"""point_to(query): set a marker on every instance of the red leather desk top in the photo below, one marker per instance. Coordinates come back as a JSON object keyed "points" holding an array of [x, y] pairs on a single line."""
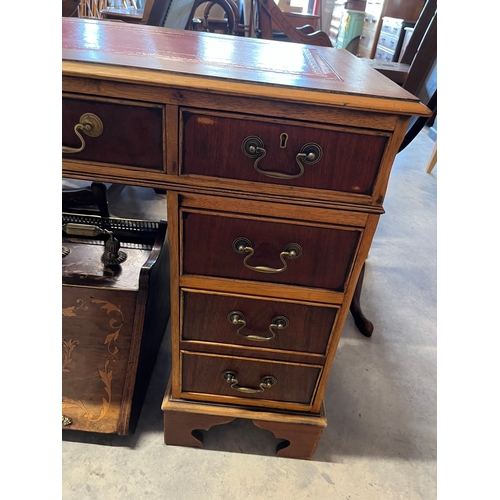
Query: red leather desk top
{"points": [[231, 58]]}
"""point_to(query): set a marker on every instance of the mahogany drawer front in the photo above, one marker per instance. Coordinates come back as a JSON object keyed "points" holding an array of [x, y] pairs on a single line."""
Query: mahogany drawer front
{"points": [[203, 374], [209, 249], [132, 134], [213, 145], [230, 319]]}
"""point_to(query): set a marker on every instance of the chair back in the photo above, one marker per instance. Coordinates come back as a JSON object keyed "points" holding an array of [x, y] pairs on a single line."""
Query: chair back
{"points": [[421, 79], [155, 11], [230, 10], [423, 64], [269, 13], [423, 22], [175, 14]]}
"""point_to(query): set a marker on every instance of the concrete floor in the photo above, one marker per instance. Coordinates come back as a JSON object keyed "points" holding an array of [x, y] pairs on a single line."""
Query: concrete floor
{"points": [[380, 442]]}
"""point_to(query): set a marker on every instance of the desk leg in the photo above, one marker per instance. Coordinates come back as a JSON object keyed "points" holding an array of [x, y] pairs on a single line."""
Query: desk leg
{"points": [[363, 324]]}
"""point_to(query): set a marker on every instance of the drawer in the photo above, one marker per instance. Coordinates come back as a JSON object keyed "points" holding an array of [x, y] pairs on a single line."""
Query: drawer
{"points": [[388, 41], [246, 148], [244, 321], [370, 20], [224, 246], [391, 26], [363, 52], [132, 133], [291, 382], [384, 55], [366, 40]]}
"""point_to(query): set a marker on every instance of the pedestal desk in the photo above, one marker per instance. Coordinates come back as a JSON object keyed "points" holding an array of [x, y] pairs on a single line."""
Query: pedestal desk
{"points": [[275, 157]]}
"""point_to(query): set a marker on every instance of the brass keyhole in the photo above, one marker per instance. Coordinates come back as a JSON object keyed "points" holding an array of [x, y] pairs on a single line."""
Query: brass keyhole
{"points": [[283, 140]]}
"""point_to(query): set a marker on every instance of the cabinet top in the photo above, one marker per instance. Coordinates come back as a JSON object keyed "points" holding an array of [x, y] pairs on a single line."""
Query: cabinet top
{"points": [[229, 65]]}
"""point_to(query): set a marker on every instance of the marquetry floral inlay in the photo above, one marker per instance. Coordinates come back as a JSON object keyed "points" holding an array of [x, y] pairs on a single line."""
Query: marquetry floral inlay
{"points": [[106, 374], [67, 349]]}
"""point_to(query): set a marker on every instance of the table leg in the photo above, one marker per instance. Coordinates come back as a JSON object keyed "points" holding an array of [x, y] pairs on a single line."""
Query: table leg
{"points": [[432, 159], [364, 325]]}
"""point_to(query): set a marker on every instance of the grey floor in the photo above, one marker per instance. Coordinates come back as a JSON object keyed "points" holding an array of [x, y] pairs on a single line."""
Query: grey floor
{"points": [[380, 442]]}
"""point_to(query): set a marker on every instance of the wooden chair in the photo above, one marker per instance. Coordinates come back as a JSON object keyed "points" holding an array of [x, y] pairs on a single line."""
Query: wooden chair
{"points": [[432, 160], [168, 13], [419, 56], [91, 8], [175, 14], [417, 73], [229, 24], [179, 14], [269, 13]]}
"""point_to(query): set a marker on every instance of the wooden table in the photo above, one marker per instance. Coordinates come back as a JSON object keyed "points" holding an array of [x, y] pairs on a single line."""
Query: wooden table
{"points": [[129, 15], [275, 158]]}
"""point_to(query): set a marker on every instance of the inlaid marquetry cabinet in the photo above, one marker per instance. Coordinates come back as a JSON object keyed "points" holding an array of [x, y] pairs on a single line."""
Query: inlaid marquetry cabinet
{"points": [[113, 319], [275, 157]]}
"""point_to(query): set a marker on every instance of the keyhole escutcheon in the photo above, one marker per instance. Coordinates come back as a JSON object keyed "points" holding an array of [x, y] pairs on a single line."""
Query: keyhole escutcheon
{"points": [[283, 140]]}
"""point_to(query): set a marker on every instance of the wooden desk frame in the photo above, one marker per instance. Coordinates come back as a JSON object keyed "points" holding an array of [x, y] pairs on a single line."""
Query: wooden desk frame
{"points": [[350, 102]]}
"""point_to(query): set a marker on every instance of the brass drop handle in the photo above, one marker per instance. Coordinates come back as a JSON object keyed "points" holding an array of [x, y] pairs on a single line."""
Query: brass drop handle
{"points": [[290, 251], [90, 125], [309, 154], [231, 378], [238, 318]]}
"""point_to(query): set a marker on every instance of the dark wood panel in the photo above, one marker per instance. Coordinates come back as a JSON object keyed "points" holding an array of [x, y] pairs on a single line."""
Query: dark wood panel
{"points": [[409, 10], [97, 329], [132, 135], [203, 374], [212, 146], [325, 261], [156, 316], [205, 318]]}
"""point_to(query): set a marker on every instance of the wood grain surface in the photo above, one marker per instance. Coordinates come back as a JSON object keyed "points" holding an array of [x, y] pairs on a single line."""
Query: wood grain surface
{"points": [[222, 62]]}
